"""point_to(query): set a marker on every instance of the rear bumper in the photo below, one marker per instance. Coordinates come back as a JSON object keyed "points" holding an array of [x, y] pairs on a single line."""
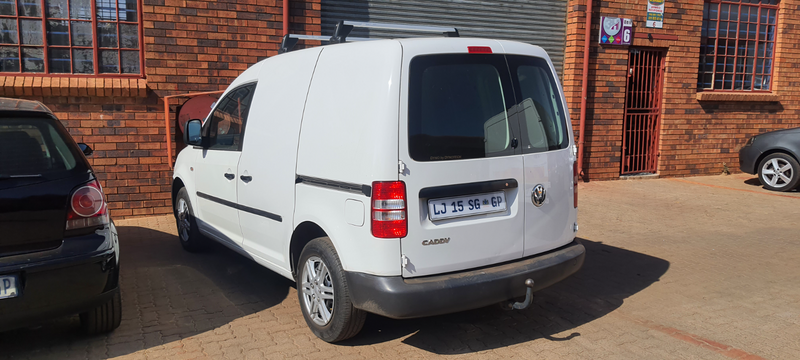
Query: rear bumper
{"points": [[400, 298], [85, 275]]}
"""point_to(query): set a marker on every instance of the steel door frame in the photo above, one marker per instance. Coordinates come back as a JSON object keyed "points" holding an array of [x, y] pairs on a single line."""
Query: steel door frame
{"points": [[641, 135]]}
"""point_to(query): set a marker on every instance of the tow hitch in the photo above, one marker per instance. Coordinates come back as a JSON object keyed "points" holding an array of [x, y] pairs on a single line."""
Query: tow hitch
{"points": [[528, 297]]}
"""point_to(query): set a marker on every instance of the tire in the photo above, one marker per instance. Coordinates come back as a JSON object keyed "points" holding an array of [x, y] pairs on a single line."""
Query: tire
{"points": [[188, 232], [779, 172], [343, 321], [103, 318]]}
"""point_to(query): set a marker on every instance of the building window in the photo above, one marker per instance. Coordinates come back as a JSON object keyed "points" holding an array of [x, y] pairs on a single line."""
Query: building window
{"points": [[71, 37], [738, 45]]}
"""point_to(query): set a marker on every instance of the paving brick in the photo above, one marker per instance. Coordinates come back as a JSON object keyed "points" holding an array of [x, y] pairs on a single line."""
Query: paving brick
{"points": [[669, 273]]}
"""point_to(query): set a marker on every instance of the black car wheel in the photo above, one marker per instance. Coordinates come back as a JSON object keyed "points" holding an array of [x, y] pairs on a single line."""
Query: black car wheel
{"points": [[323, 293], [779, 172], [191, 238], [103, 318]]}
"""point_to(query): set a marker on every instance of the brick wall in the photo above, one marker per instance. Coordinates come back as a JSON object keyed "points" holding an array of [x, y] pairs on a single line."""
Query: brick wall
{"points": [[697, 135], [190, 46]]}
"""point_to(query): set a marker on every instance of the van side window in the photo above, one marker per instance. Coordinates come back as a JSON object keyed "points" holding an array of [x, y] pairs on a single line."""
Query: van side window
{"points": [[543, 122], [227, 122]]}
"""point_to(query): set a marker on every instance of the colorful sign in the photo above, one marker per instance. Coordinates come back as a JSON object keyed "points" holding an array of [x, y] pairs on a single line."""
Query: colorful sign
{"points": [[655, 13], [616, 31]]}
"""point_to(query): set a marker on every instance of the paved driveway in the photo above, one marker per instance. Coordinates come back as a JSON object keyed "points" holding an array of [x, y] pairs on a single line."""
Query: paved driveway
{"points": [[678, 268]]}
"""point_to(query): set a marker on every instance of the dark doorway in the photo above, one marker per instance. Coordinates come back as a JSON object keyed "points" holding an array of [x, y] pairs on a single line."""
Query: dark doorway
{"points": [[642, 112]]}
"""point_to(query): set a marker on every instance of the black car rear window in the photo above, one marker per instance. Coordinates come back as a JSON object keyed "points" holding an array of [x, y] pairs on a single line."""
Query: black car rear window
{"points": [[33, 147], [465, 106]]}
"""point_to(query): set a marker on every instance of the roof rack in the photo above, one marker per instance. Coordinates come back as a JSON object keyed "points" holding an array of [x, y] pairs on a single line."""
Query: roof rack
{"points": [[343, 29]]}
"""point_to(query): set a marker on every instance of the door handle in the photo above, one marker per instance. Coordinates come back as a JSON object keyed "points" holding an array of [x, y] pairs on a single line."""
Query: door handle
{"points": [[246, 178], [229, 176]]}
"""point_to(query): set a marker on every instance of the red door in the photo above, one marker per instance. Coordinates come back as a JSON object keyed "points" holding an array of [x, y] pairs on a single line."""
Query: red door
{"points": [[642, 112]]}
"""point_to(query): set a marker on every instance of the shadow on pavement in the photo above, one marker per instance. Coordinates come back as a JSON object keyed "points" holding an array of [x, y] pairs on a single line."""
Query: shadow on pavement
{"points": [[608, 277], [167, 295], [755, 182]]}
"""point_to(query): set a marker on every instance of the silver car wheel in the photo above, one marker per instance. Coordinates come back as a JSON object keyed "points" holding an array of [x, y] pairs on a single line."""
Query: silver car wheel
{"points": [[317, 291], [184, 227], [777, 173]]}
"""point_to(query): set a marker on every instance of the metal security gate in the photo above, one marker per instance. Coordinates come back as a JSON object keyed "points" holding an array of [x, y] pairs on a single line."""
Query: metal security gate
{"points": [[642, 112], [537, 22]]}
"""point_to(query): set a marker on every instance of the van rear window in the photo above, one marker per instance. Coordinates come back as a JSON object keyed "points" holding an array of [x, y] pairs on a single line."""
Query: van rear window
{"points": [[465, 106], [457, 107]]}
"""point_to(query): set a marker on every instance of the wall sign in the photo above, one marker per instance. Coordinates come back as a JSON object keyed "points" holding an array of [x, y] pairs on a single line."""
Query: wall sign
{"points": [[616, 31], [655, 14]]}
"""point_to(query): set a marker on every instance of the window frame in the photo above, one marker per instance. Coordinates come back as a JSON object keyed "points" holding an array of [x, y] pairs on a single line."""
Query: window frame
{"points": [[207, 124], [736, 56], [417, 67], [507, 67], [515, 62], [96, 48]]}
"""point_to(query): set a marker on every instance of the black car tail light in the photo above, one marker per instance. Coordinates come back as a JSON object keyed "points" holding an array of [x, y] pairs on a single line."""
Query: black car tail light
{"points": [[87, 207]]}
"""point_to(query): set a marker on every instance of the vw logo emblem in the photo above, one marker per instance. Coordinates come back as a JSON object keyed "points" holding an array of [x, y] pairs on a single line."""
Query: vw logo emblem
{"points": [[538, 195]]}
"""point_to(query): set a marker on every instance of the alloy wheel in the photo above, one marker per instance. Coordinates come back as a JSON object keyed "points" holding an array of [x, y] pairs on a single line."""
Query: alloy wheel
{"points": [[317, 289], [777, 172], [184, 226]]}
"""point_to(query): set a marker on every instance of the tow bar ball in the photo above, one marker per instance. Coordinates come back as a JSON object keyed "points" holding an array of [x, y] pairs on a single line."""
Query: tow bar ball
{"points": [[528, 297]]}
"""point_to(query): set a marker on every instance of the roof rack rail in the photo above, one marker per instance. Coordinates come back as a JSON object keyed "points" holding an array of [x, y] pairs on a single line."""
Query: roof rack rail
{"points": [[343, 29]]}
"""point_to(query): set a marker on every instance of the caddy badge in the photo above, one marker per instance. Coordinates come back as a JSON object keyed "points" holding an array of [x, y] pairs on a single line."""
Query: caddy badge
{"points": [[436, 241]]}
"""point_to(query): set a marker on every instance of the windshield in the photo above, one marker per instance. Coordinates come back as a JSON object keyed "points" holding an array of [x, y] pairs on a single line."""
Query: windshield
{"points": [[33, 147]]}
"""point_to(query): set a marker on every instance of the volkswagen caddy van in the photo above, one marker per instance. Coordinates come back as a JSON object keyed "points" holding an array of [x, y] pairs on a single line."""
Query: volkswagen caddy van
{"points": [[404, 178]]}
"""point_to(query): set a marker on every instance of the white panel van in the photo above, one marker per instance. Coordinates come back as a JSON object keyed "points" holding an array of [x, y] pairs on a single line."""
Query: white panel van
{"points": [[404, 178]]}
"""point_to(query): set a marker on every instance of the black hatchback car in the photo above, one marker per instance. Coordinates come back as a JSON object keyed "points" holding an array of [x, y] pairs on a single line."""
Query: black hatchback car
{"points": [[774, 157], [59, 251]]}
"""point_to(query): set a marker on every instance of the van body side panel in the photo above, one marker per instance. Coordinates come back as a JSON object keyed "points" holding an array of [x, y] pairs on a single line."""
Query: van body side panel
{"points": [[268, 158], [184, 170], [349, 131], [349, 135], [357, 249]]}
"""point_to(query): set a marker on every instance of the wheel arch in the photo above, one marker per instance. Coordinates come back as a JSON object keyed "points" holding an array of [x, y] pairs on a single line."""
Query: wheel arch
{"points": [[177, 184], [770, 152], [302, 235]]}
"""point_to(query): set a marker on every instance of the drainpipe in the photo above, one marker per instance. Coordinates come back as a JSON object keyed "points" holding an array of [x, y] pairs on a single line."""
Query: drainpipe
{"points": [[584, 84], [285, 17]]}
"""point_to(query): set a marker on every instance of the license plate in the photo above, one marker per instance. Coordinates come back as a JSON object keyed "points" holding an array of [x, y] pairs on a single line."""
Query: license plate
{"points": [[8, 287], [446, 208]]}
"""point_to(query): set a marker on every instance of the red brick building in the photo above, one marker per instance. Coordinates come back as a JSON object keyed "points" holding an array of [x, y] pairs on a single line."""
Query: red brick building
{"points": [[725, 70], [105, 66]]}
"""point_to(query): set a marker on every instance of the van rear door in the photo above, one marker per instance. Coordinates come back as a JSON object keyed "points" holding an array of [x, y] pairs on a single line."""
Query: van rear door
{"points": [[460, 163], [545, 141]]}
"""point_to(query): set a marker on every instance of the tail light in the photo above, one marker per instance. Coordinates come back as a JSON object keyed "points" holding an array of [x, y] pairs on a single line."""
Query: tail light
{"points": [[87, 207], [389, 209], [575, 183]]}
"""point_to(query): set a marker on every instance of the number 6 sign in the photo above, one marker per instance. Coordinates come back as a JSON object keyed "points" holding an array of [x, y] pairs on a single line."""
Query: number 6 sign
{"points": [[616, 31]]}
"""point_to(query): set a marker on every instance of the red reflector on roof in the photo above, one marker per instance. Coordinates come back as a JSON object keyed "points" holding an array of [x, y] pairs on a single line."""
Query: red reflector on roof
{"points": [[479, 49]]}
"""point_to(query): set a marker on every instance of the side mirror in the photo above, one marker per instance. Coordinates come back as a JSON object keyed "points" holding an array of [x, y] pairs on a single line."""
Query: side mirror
{"points": [[192, 134], [87, 150]]}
